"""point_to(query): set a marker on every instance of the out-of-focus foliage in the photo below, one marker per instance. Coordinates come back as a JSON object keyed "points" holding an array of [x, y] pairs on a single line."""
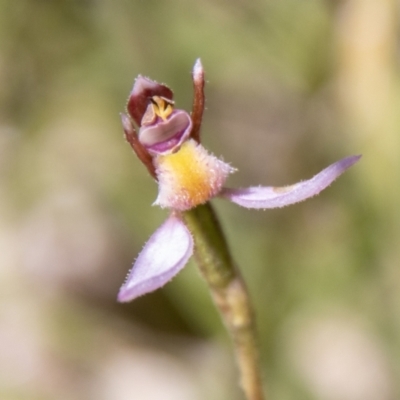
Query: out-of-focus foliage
{"points": [[291, 87]]}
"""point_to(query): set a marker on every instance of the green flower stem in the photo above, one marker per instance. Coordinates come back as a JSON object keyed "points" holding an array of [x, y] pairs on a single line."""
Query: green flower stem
{"points": [[229, 293]]}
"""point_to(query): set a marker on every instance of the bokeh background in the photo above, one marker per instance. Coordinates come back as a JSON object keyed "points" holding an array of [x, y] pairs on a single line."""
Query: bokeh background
{"points": [[292, 86]]}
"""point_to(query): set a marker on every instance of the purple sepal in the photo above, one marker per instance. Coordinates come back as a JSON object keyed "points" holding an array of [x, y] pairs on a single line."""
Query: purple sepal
{"points": [[275, 197], [143, 90], [163, 256]]}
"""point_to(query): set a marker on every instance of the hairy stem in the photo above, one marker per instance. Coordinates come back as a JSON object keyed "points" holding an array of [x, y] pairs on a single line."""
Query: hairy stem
{"points": [[229, 293]]}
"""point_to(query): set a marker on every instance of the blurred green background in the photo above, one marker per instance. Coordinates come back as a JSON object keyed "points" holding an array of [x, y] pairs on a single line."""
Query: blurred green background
{"points": [[292, 86]]}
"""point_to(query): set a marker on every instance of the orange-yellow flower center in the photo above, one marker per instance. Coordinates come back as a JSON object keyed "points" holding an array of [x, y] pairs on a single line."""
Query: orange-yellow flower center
{"points": [[162, 107], [158, 107], [189, 177]]}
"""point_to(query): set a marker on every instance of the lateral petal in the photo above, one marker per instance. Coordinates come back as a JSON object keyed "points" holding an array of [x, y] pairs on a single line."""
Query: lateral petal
{"points": [[163, 256], [275, 197]]}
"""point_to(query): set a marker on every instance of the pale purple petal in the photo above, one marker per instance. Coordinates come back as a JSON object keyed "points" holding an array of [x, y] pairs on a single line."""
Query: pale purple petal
{"points": [[274, 197], [164, 137], [163, 256]]}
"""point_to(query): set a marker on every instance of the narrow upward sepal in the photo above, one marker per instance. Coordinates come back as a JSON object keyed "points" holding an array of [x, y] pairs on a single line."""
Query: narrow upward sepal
{"points": [[163, 256], [275, 197], [198, 99]]}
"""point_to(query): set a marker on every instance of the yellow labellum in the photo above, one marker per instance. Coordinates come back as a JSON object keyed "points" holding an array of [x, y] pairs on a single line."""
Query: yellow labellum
{"points": [[189, 177]]}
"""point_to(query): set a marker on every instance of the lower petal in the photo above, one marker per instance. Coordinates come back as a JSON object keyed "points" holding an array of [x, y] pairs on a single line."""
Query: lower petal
{"points": [[275, 197], [163, 256]]}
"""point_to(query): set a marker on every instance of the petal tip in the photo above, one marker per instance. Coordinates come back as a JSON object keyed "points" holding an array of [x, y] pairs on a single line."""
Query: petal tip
{"points": [[349, 161], [123, 296], [126, 295], [198, 70]]}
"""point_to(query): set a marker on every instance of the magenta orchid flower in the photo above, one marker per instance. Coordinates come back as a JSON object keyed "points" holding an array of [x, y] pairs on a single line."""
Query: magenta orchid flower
{"points": [[167, 141]]}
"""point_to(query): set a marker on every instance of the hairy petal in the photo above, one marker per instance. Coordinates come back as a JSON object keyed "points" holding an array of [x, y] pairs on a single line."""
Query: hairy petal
{"points": [[163, 256], [189, 177], [274, 197]]}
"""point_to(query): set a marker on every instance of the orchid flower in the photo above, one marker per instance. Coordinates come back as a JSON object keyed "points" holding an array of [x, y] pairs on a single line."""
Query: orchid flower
{"points": [[167, 141]]}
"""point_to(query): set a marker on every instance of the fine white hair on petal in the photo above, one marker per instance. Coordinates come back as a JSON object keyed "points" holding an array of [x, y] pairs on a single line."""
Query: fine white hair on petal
{"points": [[275, 197], [163, 256], [189, 177]]}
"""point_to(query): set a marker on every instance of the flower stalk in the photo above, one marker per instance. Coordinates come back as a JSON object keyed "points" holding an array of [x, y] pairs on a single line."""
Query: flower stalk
{"points": [[229, 293]]}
